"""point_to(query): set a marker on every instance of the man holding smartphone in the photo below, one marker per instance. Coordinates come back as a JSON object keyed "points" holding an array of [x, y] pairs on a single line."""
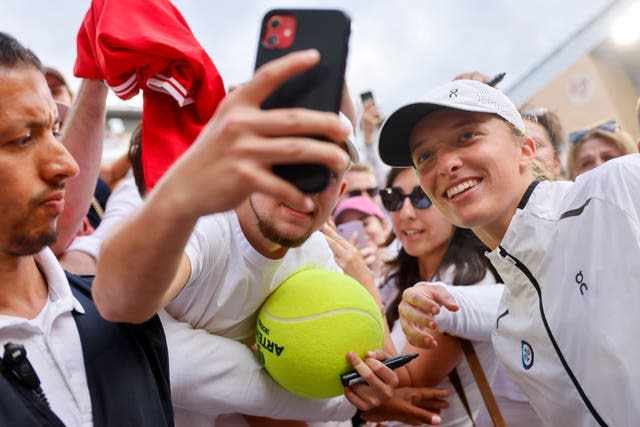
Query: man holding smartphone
{"points": [[212, 268]]}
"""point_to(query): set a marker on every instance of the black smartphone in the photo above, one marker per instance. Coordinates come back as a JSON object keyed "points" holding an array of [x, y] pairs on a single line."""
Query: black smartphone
{"points": [[366, 96], [287, 30]]}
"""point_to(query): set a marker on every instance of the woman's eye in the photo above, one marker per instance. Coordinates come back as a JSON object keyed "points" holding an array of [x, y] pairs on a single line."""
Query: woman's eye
{"points": [[467, 136], [423, 157], [585, 164]]}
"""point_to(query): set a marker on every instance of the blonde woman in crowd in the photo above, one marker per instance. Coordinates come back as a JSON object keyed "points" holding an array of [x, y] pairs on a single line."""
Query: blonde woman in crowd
{"points": [[589, 148]]}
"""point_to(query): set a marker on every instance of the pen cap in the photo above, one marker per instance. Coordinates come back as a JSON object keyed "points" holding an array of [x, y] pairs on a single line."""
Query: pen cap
{"points": [[307, 326]]}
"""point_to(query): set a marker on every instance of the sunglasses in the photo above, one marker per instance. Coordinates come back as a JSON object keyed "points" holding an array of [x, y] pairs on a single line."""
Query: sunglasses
{"points": [[393, 198], [579, 135], [370, 191], [535, 114]]}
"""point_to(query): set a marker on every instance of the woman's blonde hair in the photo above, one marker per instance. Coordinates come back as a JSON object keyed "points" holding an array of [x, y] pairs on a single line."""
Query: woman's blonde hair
{"points": [[619, 138]]}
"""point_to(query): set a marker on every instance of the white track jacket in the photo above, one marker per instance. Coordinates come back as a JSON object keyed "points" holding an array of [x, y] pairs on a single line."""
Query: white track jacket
{"points": [[568, 327]]}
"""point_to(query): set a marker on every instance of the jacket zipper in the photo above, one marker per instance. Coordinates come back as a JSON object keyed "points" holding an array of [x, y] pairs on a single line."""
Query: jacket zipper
{"points": [[573, 378]]}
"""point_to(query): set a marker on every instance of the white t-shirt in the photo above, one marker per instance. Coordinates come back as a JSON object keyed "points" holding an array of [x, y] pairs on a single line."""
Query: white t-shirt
{"points": [[211, 374], [121, 203], [230, 279], [53, 346], [229, 282]]}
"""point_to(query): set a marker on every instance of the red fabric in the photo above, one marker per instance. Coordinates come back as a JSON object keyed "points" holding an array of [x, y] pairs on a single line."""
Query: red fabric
{"points": [[142, 44]]}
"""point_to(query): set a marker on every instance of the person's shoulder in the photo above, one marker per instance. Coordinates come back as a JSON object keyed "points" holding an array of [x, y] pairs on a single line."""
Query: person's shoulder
{"points": [[615, 182], [216, 226]]}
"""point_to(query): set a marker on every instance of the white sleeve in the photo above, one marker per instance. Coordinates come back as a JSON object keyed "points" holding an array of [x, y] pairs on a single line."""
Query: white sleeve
{"points": [[213, 375], [475, 320], [123, 200]]}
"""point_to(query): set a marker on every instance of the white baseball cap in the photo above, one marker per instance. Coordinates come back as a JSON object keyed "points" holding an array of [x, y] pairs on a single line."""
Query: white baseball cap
{"points": [[465, 95]]}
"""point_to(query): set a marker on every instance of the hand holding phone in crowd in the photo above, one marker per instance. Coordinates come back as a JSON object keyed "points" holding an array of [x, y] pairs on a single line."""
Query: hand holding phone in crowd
{"points": [[320, 88], [371, 118]]}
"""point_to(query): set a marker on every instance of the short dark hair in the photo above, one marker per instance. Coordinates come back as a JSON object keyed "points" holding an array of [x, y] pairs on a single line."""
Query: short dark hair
{"points": [[13, 53]]}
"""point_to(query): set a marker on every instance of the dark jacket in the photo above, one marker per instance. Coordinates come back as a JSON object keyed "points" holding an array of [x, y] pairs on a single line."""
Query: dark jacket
{"points": [[127, 369]]}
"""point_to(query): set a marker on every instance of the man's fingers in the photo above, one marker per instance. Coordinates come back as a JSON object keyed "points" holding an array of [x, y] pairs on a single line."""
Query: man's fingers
{"points": [[289, 121], [266, 182], [285, 150]]}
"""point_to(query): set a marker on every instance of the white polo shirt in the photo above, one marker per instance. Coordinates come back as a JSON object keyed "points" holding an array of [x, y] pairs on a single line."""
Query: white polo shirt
{"points": [[53, 346]]}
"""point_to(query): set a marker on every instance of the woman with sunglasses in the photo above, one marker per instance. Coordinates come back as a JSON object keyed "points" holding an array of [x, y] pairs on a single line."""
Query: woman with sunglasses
{"points": [[433, 249], [568, 324], [592, 147]]}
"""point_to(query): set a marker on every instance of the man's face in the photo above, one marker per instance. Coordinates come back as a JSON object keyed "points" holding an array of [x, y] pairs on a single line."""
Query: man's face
{"points": [[34, 165], [359, 183], [471, 166], [288, 227]]}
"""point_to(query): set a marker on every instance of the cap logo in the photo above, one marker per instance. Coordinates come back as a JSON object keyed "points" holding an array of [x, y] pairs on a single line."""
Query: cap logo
{"points": [[453, 93]]}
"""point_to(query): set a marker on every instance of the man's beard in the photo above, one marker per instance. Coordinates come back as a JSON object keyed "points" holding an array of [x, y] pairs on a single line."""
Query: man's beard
{"points": [[271, 232], [24, 244], [25, 241]]}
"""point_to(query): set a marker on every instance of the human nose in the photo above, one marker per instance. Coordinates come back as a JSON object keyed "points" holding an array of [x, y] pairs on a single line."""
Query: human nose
{"points": [[57, 163], [448, 161], [407, 210]]}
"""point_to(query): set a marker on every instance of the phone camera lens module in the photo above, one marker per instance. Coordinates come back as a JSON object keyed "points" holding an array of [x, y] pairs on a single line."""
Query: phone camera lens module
{"points": [[275, 23], [273, 40]]}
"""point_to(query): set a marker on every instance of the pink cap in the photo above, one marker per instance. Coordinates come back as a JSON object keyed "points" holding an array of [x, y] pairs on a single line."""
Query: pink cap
{"points": [[359, 204]]}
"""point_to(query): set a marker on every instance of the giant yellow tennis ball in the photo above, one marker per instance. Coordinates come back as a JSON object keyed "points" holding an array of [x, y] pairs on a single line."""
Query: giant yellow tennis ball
{"points": [[307, 326]]}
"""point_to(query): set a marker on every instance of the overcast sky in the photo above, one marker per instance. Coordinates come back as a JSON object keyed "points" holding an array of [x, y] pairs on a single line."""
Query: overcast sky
{"points": [[398, 49]]}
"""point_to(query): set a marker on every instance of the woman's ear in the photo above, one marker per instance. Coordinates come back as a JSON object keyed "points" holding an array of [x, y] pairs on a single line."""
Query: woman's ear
{"points": [[528, 152]]}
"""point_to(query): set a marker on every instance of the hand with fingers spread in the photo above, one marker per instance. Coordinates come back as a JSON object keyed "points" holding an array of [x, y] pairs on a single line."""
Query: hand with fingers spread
{"points": [[348, 257], [380, 381], [411, 405], [420, 303]]}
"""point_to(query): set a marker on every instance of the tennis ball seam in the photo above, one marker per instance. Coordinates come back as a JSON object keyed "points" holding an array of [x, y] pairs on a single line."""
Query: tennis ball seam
{"points": [[323, 314]]}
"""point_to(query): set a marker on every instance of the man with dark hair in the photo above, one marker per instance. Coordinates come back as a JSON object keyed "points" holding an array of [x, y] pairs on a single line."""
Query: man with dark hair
{"points": [[79, 369]]}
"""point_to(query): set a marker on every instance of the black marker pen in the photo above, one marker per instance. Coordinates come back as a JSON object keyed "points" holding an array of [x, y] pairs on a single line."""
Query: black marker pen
{"points": [[496, 79], [353, 377]]}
